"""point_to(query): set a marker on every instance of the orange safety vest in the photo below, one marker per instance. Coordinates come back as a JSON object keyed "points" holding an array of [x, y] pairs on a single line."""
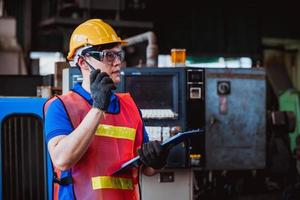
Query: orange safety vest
{"points": [[117, 139]]}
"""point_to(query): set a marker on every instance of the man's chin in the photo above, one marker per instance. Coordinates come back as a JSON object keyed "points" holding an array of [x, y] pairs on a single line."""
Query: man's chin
{"points": [[116, 79]]}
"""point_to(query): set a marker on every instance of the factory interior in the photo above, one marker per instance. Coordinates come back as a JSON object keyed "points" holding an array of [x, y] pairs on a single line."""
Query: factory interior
{"points": [[219, 79]]}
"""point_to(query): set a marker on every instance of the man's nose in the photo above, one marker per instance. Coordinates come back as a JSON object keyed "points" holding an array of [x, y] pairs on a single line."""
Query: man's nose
{"points": [[117, 61]]}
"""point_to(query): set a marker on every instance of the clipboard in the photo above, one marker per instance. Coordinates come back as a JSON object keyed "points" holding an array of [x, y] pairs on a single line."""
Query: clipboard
{"points": [[168, 143]]}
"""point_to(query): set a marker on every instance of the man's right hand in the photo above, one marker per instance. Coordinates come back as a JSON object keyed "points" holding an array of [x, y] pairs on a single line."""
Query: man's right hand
{"points": [[101, 89]]}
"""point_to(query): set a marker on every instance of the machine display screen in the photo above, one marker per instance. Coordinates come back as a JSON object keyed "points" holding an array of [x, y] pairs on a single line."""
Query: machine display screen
{"points": [[151, 91]]}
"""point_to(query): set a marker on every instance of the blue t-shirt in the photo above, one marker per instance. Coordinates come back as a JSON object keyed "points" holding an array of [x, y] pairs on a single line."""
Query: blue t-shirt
{"points": [[57, 113]]}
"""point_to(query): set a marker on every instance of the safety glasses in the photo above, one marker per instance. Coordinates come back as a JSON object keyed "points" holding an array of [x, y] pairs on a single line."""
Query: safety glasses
{"points": [[107, 56]]}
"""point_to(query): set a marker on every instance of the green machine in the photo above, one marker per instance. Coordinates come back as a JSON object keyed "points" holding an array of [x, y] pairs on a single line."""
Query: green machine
{"points": [[290, 101], [288, 97]]}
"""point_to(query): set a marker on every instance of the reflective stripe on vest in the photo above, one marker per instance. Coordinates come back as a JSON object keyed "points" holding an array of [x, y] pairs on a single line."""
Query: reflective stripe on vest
{"points": [[116, 132], [107, 182]]}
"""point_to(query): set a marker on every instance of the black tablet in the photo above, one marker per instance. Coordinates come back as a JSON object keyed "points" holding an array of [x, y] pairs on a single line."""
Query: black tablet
{"points": [[168, 143]]}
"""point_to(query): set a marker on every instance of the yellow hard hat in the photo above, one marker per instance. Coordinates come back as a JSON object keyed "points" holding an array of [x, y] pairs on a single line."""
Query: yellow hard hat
{"points": [[92, 32]]}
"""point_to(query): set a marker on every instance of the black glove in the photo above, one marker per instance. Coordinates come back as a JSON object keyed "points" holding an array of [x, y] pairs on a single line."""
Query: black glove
{"points": [[101, 89], [153, 155]]}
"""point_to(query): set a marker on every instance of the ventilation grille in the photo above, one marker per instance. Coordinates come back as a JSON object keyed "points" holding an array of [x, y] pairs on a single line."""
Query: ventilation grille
{"points": [[23, 158]]}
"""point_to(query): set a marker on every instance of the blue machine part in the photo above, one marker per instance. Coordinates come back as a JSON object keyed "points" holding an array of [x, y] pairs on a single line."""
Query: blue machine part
{"points": [[235, 118], [23, 105]]}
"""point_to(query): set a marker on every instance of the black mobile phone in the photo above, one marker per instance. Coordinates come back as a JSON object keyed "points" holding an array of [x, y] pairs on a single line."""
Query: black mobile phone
{"points": [[90, 66]]}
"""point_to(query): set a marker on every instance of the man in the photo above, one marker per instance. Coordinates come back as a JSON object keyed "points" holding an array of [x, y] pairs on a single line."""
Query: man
{"points": [[91, 131]]}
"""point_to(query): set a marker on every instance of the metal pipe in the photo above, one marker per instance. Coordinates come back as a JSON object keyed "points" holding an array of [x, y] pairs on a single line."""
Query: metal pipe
{"points": [[152, 48], [1, 8]]}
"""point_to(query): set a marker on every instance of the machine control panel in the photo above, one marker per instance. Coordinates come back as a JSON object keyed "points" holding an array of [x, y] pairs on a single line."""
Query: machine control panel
{"points": [[195, 83]]}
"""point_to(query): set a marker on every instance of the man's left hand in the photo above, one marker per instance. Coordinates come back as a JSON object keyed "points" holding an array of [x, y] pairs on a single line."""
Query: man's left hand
{"points": [[153, 155]]}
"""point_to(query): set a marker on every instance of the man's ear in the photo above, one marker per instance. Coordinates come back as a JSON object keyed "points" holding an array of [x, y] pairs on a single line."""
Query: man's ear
{"points": [[82, 64]]}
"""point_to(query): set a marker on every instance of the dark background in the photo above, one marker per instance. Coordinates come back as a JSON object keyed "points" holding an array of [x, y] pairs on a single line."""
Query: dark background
{"points": [[206, 28]]}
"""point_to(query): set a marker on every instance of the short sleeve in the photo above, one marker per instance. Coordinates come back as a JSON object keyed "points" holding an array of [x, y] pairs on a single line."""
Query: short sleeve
{"points": [[56, 121], [146, 137]]}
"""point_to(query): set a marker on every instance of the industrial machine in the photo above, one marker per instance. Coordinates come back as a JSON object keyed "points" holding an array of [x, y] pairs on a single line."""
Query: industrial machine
{"points": [[23, 155], [23, 158], [230, 104], [169, 97], [234, 117], [290, 101]]}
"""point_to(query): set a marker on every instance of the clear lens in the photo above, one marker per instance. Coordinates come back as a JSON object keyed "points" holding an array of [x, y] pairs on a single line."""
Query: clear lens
{"points": [[110, 56], [98, 55], [121, 55], [107, 56]]}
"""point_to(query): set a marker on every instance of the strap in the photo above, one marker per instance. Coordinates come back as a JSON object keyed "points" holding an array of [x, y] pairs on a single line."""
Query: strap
{"points": [[63, 181]]}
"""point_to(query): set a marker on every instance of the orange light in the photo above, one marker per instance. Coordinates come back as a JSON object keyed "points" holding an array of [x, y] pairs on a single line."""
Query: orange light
{"points": [[195, 156], [178, 57]]}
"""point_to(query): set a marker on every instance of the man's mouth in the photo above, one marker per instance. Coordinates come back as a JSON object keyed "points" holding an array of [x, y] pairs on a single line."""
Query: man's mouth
{"points": [[116, 72]]}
